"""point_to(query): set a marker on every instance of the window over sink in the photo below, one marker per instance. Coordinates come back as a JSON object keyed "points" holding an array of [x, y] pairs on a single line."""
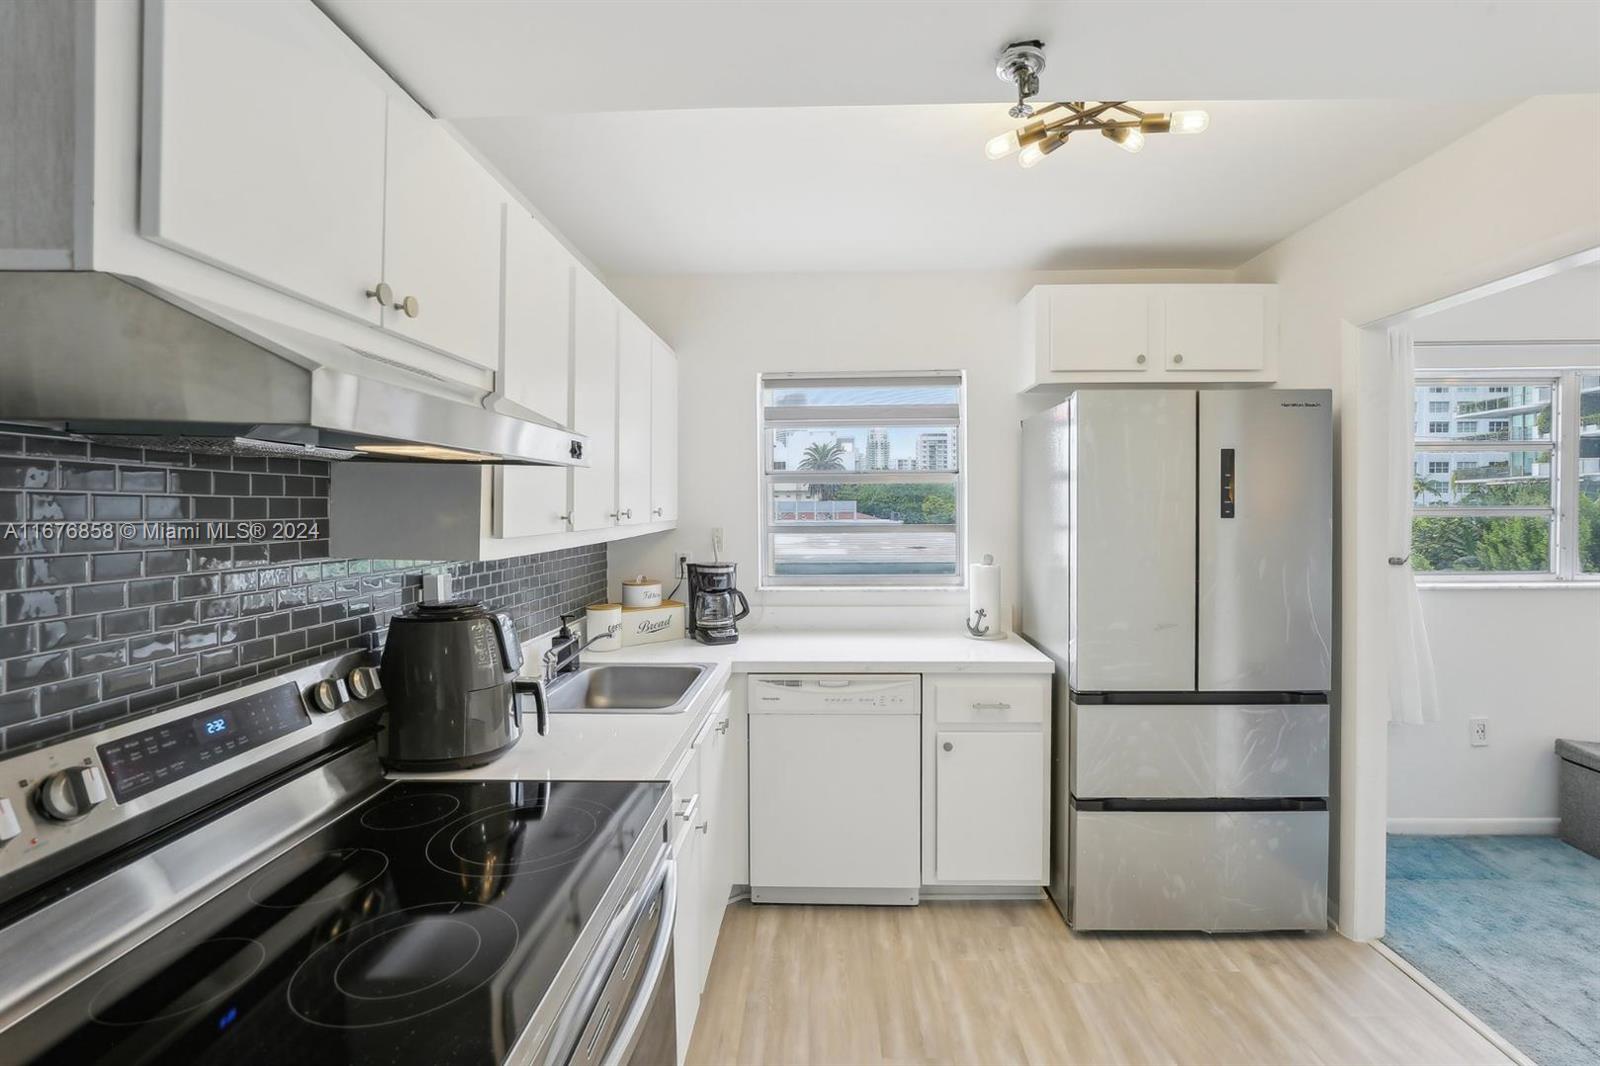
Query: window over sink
{"points": [[862, 480]]}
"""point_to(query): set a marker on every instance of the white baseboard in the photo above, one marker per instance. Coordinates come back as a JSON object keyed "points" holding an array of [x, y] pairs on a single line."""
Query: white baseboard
{"points": [[1475, 826]]}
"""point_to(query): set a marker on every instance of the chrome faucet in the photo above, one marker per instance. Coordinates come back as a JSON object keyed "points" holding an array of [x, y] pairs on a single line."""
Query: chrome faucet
{"points": [[562, 657]]}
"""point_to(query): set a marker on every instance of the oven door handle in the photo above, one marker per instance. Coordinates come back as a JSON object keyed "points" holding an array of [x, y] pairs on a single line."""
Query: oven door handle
{"points": [[627, 1035], [568, 1027]]}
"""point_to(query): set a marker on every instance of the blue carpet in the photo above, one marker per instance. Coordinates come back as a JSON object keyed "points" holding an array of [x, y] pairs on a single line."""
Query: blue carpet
{"points": [[1509, 926]]}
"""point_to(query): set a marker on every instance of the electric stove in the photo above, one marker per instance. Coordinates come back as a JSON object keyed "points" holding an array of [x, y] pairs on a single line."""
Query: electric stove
{"points": [[426, 921]]}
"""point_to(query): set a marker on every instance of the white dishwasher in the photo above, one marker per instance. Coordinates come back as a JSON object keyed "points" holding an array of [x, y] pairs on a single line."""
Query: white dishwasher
{"points": [[835, 788]]}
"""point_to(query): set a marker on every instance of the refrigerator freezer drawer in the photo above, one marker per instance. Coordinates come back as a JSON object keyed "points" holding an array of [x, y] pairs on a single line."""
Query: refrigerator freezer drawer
{"points": [[1214, 871], [1199, 751]]}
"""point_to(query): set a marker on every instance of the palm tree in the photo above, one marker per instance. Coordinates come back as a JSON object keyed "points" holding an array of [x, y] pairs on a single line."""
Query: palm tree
{"points": [[829, 456]]}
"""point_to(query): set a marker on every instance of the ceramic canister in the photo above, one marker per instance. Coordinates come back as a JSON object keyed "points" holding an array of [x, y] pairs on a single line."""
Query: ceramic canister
{"points": [[603, 624], [641, 592]]}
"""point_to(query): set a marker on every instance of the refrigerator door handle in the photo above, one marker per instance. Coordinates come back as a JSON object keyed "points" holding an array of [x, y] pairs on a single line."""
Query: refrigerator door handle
{"points": [[1227, 483]]}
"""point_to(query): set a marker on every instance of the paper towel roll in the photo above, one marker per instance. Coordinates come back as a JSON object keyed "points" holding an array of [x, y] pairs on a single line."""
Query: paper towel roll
{"points": [[983, 605]]}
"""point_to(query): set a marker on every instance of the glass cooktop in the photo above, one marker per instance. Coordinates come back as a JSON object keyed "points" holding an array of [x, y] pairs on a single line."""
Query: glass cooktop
{"points": [[423, 926]]}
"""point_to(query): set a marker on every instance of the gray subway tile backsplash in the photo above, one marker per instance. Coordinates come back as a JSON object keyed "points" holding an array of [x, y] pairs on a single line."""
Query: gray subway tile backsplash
{"points": [[95, 628]]}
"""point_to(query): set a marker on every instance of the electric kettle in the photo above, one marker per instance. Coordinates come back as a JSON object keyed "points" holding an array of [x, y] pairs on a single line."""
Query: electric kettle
{"points": [[449, 673]]}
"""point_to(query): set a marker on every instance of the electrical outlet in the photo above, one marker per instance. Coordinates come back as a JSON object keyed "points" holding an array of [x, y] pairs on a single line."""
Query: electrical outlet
{"points": [[1479, 731], [683, 561], [716, 541]]}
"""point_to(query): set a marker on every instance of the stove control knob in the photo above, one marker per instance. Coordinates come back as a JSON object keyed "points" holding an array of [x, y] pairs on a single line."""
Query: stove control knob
{"points": [[69, 794], [329, 694], [363, 682]]}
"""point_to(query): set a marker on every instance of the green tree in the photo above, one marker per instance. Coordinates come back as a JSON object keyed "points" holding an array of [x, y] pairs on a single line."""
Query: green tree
{"points": [[823, 456], [939, 509]]}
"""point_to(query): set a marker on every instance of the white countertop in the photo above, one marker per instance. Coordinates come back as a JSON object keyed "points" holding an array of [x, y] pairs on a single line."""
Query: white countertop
{"points": [[646, 747], [865, 651]]}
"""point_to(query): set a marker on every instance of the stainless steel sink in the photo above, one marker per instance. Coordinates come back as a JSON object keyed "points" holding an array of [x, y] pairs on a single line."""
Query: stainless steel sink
{"points": [[627, 689]]}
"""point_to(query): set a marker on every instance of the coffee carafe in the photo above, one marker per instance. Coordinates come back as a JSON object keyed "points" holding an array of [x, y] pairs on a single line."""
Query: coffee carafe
{"points": [[715, 604]]}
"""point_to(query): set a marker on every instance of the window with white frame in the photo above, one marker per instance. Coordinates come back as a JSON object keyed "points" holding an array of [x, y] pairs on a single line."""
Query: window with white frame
{"points": [[862, 480], [1519, 497]]}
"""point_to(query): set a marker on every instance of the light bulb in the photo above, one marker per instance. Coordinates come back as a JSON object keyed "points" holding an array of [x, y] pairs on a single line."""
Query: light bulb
{"points": [[1002, 146], [1190, 121], [1129, 140], [1033, 154]]}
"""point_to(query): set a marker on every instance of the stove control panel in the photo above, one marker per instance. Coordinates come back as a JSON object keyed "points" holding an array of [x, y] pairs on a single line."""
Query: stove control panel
{"points": [[64, 795], [146, 760]]}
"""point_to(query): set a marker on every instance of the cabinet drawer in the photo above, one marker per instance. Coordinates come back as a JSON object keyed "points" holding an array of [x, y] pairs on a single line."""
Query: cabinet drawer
{"points": [[982, 702], [1195, 751], [1199, 870]]}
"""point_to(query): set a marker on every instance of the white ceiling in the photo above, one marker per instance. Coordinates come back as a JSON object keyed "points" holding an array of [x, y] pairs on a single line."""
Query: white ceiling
{"points": [[909, 188], [715, 136], [519, 57]]}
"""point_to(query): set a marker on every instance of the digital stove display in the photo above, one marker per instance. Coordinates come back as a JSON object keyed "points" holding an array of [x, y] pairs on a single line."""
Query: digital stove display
{"points": [[143, 761], [423, 926]]}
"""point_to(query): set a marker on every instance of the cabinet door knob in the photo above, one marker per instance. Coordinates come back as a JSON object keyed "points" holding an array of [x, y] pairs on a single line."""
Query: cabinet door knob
{"points": [[1140, 359], [567, 518], [628, 513], [656, 512], [382, 293], [949, 746], [409, 306], [1177, 357], [722, 726]]}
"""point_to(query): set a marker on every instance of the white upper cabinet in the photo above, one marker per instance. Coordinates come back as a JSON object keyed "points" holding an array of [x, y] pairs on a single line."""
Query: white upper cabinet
{"points": [[594, 402], [1099, 327], [663, 433], [536, 355], [634, 359], [535, 369], [441, 252], [263, 152], [1216, 327], [1078, 334]]}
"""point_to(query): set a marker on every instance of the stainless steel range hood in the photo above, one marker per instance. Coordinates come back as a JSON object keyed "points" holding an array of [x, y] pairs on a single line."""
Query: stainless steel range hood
{"points": [[101, 357]]}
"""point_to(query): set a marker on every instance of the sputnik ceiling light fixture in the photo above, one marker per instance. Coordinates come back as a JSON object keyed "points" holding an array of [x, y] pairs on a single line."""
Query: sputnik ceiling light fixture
{"points": [[1116, 120]]}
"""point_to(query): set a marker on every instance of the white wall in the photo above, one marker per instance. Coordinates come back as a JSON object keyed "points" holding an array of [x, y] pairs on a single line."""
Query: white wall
{"points": [[1529, 661], [1522, 190], [727, 329], [1562, 307]]}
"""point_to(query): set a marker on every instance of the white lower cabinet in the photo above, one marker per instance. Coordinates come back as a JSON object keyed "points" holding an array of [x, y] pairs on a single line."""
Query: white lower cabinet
{"points": [[986, 780], [707, 817], [989, 805]]}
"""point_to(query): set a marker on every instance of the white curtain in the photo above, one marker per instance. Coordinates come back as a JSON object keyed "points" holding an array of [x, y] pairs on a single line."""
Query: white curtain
{"points": [[1413, 692]]}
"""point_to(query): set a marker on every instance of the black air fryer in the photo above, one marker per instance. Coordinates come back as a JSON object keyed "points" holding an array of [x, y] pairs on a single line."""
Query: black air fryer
{"points": [[712, 592], [454, 698]]}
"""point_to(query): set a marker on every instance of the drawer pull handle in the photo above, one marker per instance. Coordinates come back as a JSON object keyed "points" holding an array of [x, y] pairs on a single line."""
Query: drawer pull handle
{"points": [[997, 705]]}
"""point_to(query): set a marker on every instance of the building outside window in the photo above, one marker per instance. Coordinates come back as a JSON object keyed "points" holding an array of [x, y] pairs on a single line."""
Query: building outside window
{"points": [[890, 514], [1514, 496]]}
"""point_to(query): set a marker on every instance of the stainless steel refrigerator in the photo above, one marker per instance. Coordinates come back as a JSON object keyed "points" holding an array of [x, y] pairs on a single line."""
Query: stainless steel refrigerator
{"points": [[1177, 556]]}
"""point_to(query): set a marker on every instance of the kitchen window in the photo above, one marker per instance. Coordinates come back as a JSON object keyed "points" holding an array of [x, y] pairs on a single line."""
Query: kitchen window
{"points": [[1519, 498], [861, 480]]}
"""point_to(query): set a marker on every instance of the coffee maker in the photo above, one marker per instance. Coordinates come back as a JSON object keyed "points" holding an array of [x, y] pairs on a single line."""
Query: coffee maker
{"points": [[712, 592]]}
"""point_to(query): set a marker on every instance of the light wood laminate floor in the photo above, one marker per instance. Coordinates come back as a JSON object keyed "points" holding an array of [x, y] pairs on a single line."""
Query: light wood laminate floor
{"points": [[950, 982]]}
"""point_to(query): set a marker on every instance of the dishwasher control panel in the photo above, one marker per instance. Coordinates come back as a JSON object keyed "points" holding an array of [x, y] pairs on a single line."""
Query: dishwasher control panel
{"points": [[822, 693]]}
